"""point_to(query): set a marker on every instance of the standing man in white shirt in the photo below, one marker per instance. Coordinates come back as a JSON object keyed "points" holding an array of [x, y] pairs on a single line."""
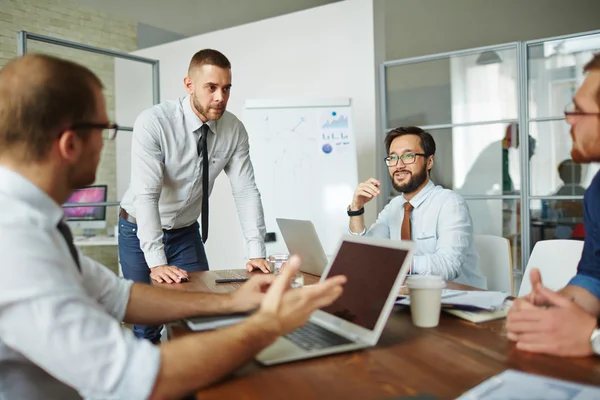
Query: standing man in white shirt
{"points": [[179, 148], [61, 336], [436, 219]]}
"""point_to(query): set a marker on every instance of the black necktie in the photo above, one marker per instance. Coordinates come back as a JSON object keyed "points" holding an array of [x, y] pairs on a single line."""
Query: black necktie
{"points": [[203, 150], [66, 232]]}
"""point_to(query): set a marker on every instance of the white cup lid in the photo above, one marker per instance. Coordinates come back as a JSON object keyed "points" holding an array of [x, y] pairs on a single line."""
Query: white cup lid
{"points": [[425, 282]]}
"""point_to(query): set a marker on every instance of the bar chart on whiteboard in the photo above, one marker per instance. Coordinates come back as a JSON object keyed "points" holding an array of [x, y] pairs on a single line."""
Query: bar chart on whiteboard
{"points": [[304, 158]]}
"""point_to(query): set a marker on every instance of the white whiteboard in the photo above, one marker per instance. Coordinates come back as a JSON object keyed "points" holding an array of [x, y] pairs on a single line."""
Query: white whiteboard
{"points": [[304, 157]]}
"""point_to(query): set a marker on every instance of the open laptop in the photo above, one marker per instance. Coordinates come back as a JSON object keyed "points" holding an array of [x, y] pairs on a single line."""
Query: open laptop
{"points": [[301, 238], [375, 269]]}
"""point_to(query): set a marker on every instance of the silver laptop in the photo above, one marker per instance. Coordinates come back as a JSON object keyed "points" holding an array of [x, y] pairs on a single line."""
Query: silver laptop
{"points": [[301, 238], [375, 269]]}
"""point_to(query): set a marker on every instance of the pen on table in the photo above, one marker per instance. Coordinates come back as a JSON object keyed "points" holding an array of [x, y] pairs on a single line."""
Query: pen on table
{"points": [[231, 280]]}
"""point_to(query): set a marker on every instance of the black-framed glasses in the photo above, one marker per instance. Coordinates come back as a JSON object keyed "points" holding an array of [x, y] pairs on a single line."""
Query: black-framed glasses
{"points": [[571, 110], [407, 159], [109, 131]]}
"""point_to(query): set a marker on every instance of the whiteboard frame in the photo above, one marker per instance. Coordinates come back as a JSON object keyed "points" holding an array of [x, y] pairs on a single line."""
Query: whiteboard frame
{"points": [[298, 103]]}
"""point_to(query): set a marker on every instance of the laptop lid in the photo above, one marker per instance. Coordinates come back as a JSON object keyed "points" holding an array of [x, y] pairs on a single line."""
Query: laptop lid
{"points": [[301, 238], [375, 269]]}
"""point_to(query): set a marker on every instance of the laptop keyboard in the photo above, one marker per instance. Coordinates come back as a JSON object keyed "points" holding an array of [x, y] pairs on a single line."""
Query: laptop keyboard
{"points": [[313, 337]]}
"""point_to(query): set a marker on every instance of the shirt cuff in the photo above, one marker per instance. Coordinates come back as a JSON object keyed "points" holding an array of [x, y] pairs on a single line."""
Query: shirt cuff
{"points": [[360, 233], [141, 371], [155, 258], [122, 298], [257, 250], [588, 283]]}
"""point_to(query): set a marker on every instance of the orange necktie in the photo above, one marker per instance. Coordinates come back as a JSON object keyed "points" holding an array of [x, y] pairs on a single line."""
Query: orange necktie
{"points": [[405, 231]]}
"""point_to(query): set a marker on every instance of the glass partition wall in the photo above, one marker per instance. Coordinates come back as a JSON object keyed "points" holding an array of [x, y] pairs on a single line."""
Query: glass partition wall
{"points": [[496, 114], [97, 207]]}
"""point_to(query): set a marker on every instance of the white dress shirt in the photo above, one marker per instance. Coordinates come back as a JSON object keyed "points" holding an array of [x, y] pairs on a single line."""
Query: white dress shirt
{"points": [[166, 173], [60, 331], [442, 229]]}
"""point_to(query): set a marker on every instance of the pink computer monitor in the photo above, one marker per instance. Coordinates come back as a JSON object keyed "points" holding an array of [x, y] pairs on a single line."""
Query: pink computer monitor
{"points": [[93, 217]]}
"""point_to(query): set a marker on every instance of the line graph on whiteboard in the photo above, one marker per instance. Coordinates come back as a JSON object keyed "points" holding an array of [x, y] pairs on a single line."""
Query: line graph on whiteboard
{"points": [[304, 162]]}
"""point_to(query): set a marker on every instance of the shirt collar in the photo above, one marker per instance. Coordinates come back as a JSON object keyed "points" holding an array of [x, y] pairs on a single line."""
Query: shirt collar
{"points": [[192, 122], [18, 187], [421, 196]]}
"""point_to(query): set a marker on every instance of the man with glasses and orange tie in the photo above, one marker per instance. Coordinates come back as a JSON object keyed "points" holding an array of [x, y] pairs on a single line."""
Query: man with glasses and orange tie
{"points": [[565, 322], [436, 219]]}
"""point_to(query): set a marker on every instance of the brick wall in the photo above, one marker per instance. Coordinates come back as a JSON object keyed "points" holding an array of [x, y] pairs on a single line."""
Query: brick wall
{"points": [[66, 19]]}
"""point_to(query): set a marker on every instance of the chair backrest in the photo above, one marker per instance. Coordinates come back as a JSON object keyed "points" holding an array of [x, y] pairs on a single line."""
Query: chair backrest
{"points": [[557, 260], [495, 261]]}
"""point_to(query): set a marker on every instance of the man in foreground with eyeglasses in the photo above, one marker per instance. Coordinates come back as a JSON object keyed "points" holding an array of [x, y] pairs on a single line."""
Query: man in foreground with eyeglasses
{"points": [[60, 312], [436, 219], [565, 323]]}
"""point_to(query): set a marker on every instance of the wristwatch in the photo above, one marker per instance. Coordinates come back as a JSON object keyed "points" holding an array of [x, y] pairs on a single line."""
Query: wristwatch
{"points": [[595, 341], [355, 213]]}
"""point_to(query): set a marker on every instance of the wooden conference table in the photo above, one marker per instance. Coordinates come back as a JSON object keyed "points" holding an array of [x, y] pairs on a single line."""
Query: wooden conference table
{"points": [[444, 361]]}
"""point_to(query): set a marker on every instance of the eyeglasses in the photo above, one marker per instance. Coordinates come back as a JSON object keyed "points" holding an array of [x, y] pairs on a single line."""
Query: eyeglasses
{"points": [[109, 131], [571, 110], [407, 158]]}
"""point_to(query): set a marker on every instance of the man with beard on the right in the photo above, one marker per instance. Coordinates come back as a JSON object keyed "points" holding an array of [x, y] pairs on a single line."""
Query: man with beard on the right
{"points": [[565, 322], [436, 219]]}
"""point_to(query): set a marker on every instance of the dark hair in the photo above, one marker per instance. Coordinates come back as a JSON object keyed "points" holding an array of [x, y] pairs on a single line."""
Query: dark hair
{"points": [[427, 142], [594, 63], [569, 171], [39, 96], [209, 57]]}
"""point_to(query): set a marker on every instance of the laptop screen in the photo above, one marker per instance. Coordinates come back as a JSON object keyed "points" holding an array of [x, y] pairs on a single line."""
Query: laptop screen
{"points": [[371, 272]]}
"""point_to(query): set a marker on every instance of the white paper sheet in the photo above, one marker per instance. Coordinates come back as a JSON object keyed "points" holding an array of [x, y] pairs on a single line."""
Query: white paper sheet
{"points": [[517, 385], [486, 300]]}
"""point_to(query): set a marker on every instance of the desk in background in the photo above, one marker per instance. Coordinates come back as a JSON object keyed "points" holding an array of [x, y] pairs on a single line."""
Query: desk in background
{"points": [[102, 249], [445, 361], [543, 224], [85, 241]]}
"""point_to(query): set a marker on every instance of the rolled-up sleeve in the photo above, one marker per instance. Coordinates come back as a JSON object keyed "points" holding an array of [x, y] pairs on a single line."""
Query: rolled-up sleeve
{"points": [[67, 321], [147, 169], [240, 172], [78, 343], [455, 235]]}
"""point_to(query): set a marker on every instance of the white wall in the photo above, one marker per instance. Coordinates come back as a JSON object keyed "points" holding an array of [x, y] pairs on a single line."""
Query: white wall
{"points": [[324, 52]]}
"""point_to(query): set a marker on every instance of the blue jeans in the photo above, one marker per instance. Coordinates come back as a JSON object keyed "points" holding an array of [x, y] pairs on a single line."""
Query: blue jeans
{"points": [[183, 248]]}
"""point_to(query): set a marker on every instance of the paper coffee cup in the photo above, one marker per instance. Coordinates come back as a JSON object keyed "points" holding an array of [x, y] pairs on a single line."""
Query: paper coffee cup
{"points": [[425, 299]]}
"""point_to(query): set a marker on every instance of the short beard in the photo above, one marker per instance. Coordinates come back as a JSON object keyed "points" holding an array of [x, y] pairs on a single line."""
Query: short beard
{"points": [[413, 183], [201, 110]]}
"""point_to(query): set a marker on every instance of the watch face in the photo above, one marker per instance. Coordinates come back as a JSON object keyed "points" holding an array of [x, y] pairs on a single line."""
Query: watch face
{"points": [[595, 340]]}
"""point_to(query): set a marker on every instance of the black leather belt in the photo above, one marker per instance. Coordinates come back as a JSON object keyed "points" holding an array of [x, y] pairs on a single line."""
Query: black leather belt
{"points": [[123, 214]]}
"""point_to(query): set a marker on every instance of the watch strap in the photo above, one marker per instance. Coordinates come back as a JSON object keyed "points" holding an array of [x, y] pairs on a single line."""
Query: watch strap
{"points": [[355, 213]]}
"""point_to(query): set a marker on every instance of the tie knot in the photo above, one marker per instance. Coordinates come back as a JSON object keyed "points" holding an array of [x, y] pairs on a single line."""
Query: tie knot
{"points": [[204, 129], [408, 207]]}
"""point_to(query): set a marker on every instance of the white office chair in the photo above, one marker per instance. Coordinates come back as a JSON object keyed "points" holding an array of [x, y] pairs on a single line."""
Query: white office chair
{"points": [[557, 260], [495, 262]]}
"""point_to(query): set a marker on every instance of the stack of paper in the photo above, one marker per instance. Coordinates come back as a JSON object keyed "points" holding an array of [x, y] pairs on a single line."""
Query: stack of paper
{"points": [[474, 306], [467, 299], [510, 385]]}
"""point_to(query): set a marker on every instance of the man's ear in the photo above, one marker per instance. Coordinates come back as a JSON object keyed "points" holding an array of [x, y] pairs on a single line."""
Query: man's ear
{"points": [[430, 162], [70, 146], [189, 85]]}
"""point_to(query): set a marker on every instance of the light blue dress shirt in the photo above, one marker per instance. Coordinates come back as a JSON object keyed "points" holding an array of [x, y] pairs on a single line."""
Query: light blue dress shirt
{"points": [[442, 229], [166, 175], [60, 327]]}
